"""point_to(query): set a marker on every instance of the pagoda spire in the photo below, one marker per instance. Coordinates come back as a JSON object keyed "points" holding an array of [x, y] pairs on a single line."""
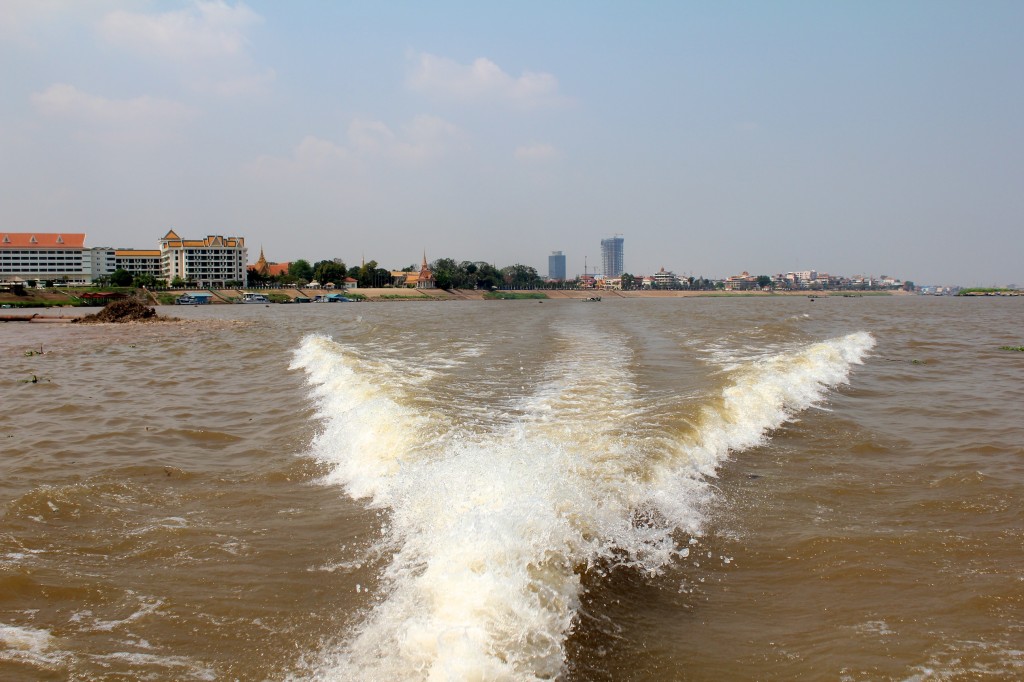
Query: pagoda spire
{"points": [[262, 266]]}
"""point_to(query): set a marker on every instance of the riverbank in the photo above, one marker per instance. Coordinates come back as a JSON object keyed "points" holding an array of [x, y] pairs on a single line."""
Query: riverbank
{"points": [[391, 294], [59, 298]]}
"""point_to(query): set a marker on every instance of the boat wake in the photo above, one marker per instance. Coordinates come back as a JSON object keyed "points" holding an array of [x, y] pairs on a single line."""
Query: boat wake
{"points": [[490, 530]]}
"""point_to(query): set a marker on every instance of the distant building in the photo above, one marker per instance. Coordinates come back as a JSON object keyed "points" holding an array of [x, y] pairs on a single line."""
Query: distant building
{"points": [[139, 262], [209, 262], [424, 279], [743, 282], [611, 256], [400, 278], [556, 266], [666, 279], [265, 268], [48, 256]]}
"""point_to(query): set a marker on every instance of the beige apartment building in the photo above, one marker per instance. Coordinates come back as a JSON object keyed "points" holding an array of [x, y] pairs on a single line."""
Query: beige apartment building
{"points": [[210, 262]]}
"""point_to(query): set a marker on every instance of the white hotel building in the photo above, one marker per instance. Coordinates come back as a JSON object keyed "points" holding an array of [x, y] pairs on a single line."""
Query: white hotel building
{"points": [[139, 262], [53, 257], [63, 258], [209, 262]]}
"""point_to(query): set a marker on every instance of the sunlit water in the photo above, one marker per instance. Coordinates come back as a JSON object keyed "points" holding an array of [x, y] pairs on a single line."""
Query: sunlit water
{"points": [[687, 489]]}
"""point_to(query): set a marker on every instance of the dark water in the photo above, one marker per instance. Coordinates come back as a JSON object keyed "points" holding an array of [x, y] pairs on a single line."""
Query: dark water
{"points": [[687, 489]]}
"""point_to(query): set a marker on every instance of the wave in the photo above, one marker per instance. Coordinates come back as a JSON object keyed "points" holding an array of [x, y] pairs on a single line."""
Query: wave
{"points": [[490, 531]]}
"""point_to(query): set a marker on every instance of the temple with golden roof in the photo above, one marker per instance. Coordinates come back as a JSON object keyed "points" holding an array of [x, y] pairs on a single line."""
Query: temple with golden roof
{"points": [[425, 280]]}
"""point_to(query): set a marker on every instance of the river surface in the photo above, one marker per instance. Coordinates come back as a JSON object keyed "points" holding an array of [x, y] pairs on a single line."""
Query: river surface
{"points": [[688, 489]]}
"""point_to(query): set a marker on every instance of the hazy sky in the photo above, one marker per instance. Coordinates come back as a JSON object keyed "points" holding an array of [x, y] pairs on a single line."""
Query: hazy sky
{"points": [[851, 137]]}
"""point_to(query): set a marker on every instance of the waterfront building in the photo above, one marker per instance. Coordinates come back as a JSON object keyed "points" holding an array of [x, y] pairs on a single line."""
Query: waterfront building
{"points": [[744, 282], [665, 279], [400, 278], [611, 256], [802, 278], [262, 267], [426, 277], [210, 262], [139, 261], [556, 266], [52, 257], [265, 268], [102, 261]]}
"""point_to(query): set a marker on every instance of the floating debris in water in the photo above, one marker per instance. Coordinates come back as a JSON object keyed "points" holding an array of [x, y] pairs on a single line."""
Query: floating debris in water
{"points": [[126, 310]]}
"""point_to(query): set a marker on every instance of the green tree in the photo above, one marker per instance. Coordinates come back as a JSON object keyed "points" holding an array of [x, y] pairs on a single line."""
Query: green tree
{"points": [[301, 270], [628, 281], [254, 277], [367, 274], [487, 277], [520, 276], [328, 271], [448, 274], [145, 280], [763, 281], [121, 278]]}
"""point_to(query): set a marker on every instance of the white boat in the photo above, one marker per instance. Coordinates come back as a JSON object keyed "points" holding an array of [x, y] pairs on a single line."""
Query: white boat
{"points": [[185, 299], [249, 297]]}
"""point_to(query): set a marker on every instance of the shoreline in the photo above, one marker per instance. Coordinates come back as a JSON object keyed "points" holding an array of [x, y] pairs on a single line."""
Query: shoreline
{"points": [[48, 300], [389, 295]]}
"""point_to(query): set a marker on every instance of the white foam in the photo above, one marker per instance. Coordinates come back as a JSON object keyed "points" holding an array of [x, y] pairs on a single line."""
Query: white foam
{"points": [[25, 638], [184, 667], [492, 529], [30, 646]]}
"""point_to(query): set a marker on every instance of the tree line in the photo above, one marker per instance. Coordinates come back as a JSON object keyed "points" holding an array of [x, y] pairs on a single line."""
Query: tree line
{"points": [[448, 274], [301, 272]]}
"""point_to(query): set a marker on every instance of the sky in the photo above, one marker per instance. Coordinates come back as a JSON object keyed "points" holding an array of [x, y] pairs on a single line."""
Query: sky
{"points": [[871, 137]]}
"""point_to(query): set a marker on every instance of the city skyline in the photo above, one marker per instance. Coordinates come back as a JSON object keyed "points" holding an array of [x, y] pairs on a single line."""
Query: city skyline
{"points": [[866, 138], [612, 259]]}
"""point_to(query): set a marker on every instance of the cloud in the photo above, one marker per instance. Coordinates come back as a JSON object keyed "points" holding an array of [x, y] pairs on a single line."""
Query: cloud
{"points": [[427, 137], [66, 101], [367, 141], [482, 80], [205, 30], [242, 84], [424, 138], [18, 16], [536, 152], [34, 24], [206, 43], [315, 151], [370, 137]]}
